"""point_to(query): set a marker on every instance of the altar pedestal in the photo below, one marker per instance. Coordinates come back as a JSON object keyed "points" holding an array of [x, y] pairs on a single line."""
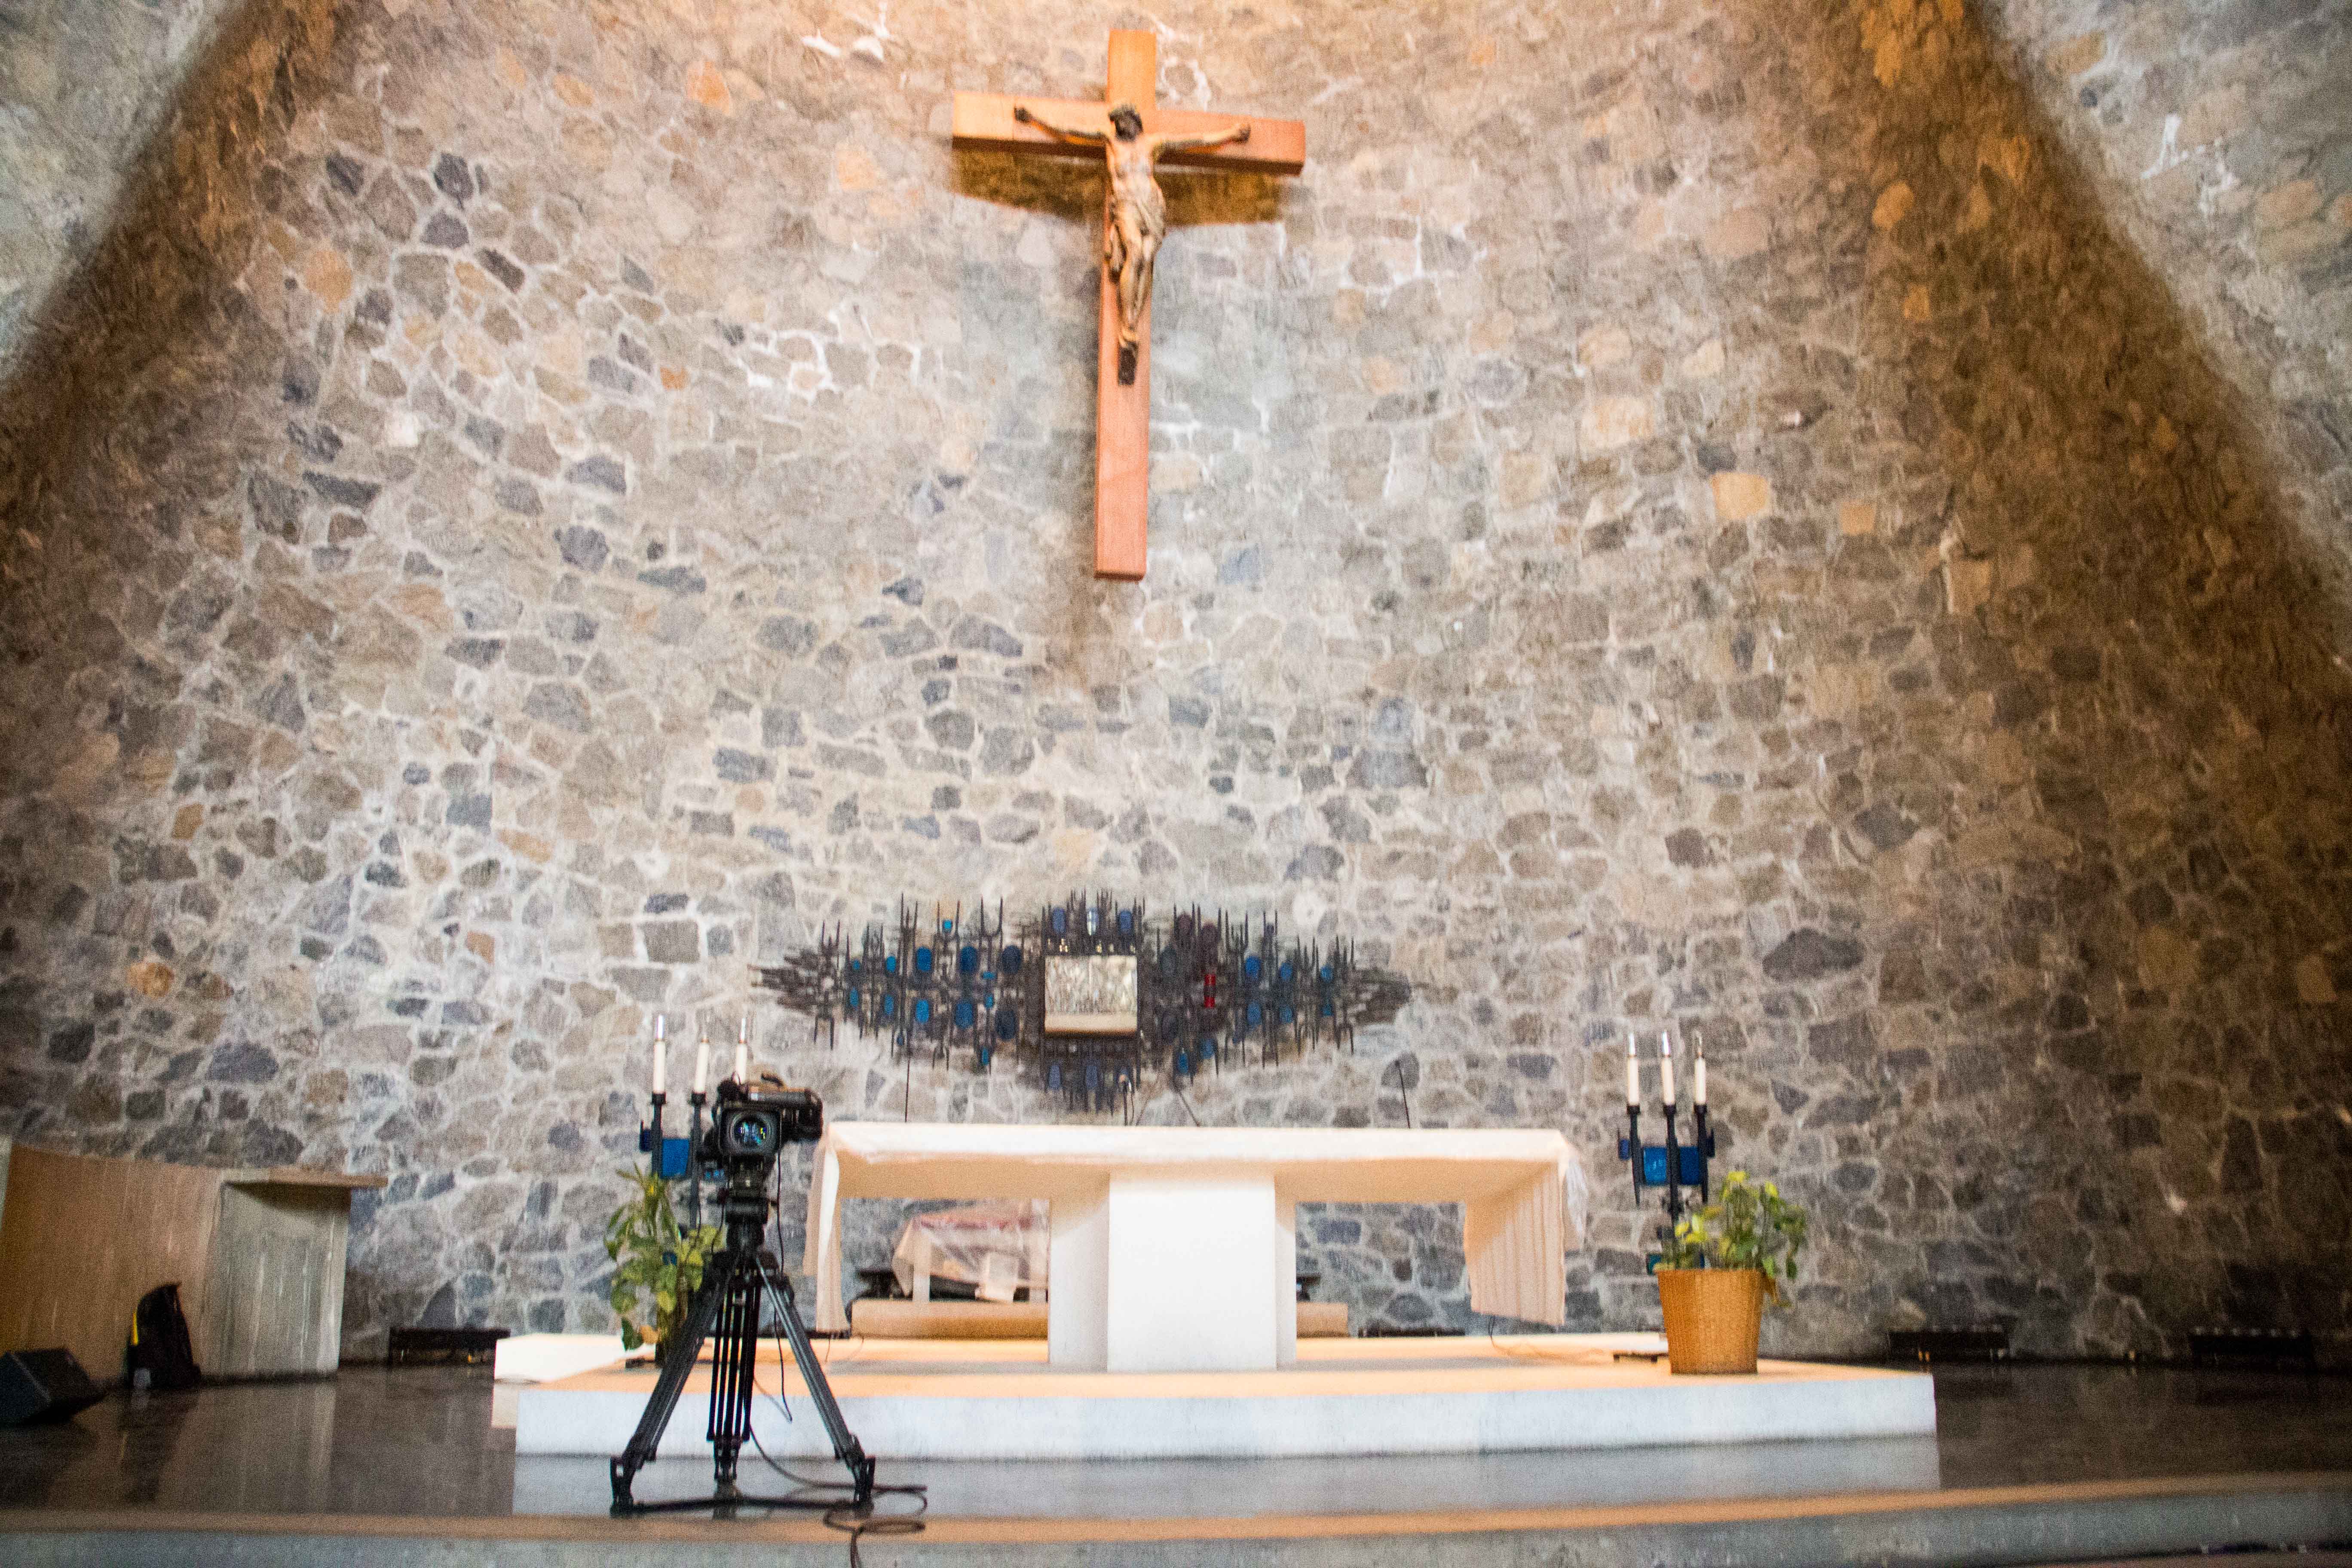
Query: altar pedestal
{"points": [[1174, 1248]]}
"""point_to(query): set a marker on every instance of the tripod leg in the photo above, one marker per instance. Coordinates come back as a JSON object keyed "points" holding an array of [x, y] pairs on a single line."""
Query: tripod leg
{"points": [[846, 1446], [733, 1363], [676, 1369]]}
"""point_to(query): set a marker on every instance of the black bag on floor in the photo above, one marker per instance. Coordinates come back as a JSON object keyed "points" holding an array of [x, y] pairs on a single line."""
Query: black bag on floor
{"points": [[159, 1355]]}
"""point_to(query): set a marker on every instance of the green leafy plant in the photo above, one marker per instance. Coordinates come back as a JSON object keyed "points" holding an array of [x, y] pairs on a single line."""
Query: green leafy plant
{"points": [[1748, 1226], [659, 1262]]}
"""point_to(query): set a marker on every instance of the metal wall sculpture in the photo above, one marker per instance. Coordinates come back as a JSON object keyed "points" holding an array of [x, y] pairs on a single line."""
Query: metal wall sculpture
{"points": [[1088, 998]]}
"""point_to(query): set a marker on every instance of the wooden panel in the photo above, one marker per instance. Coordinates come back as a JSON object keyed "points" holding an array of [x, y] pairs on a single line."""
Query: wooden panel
{"points": [[1131, 69], [1322, 1320], [1122, 445], [296, 1176], [948, 1320], [984, 123], [1022, 1320], [82, 1238]]}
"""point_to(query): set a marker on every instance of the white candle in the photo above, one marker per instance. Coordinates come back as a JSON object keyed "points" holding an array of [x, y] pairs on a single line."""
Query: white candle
{"points": [[743, 1053], [661, 1065], [702, 1066], [1666, 1069], [1698, 1074], [1633, 1074]]}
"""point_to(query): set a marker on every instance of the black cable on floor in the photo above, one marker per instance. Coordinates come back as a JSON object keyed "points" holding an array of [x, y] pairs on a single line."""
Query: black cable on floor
{"points": [[850, 1517]]}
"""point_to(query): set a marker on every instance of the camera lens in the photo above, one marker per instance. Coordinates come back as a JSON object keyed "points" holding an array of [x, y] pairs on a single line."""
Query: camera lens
{"points": [[751, 1134]]}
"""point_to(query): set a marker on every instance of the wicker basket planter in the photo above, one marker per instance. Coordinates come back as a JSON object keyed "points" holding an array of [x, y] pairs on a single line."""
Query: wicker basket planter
{"points": [[1712, 1318]]}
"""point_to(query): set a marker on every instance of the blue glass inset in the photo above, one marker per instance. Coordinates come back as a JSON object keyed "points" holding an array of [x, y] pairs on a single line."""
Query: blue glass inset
{"points": [[1008, 1024], [890, 964], [1008, 962], [1061, 923], [1252, 967], [1168, 963], [1094, 1073], [1287, 973], [923, 961], [967, 960], [855, 964], [852, 998], [1209, 1049], [889, 1005], [1127, 923], [1256, 1014], [922, 1009], [1324, 975], [1053, 1076], [1183, 1065], [985, 1055], [965, 1013], [1290, 1014]]}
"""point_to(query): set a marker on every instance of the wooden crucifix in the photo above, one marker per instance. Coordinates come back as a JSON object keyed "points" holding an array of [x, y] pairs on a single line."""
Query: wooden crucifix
{"points": [[1134, 218]]}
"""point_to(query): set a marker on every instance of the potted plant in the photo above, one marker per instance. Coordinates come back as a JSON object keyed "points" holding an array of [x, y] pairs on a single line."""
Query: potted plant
{"points": [[1724, 1262], [658, 1264]]}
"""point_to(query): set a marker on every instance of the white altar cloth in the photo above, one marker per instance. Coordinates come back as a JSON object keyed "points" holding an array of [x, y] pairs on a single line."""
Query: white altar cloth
{"points": [[1174, 1248]]}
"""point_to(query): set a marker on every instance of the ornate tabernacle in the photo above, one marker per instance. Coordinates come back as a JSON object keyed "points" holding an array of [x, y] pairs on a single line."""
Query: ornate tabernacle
{"points": [[1088, 996]]}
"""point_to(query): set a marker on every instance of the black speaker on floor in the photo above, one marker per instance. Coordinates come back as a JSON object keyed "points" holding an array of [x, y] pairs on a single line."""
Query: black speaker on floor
{"points": [[43, 1386]]}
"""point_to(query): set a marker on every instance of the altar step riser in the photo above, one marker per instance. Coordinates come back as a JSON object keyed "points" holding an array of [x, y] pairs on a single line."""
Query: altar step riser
{"points": [[1046, 1427]]}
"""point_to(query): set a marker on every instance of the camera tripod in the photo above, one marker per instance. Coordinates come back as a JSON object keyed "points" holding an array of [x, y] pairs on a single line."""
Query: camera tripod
{"points": [[727, 1303]]}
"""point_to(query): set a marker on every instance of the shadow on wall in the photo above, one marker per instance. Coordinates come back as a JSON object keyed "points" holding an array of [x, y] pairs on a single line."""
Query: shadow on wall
{"points": [[99, 370], [2146, 724]]}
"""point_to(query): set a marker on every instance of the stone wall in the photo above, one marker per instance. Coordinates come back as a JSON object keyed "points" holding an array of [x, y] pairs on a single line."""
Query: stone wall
{"points": [[1691, 519]]}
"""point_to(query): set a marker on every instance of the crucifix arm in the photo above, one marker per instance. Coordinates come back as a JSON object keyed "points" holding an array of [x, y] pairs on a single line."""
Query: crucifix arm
{"points": [[1240, 132], [1067, 133]]}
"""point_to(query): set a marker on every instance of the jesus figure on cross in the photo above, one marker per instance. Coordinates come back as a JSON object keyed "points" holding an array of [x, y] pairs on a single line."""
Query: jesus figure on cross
{"points": [[1138, 217]]}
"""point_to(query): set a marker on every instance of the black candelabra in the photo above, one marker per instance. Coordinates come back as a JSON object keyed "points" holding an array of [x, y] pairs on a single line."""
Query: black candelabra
{"points": [[1674, 1165]]}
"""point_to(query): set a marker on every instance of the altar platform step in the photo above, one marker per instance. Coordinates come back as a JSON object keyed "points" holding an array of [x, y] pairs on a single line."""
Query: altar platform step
{"points": [[916, 1399]]}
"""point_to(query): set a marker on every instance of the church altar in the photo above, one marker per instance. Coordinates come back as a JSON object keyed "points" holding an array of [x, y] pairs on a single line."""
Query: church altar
{"points": [[1174, 1248]]}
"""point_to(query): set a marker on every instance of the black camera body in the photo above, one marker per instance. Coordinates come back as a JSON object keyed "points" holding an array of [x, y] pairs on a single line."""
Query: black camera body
{"points": [[749, 1128]]}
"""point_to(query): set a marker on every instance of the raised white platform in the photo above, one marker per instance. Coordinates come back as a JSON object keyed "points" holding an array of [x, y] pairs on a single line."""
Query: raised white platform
{"points": [[544, 1358], [929, 1400]]}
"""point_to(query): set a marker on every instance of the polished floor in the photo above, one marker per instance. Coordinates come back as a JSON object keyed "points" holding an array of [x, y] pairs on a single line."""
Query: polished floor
{"points": [[419, 1442]]}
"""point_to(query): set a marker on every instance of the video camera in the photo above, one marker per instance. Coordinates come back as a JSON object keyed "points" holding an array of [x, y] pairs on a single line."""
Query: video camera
{"points": [[750, 1129]]}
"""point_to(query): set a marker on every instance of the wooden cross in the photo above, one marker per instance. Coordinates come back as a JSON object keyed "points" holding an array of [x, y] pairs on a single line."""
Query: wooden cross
{"points": [[987, 121]]}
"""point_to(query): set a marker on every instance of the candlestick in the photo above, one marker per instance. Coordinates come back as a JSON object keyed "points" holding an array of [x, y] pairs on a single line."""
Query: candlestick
{"points": [[701, 1068], [1667, 1067], [1632, 1075]]}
